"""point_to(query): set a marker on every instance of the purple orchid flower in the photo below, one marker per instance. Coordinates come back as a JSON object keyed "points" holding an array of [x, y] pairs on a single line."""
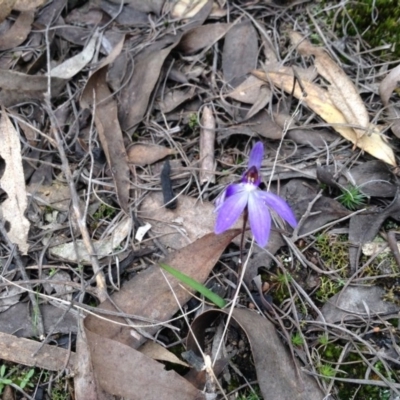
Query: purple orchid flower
{"points": [[247, 194]]}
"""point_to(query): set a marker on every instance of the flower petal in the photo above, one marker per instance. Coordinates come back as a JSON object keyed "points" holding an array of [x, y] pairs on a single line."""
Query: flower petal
{"points": [[228, 192], [256, 156], [280, 206], [230, 211], [259, 217]]}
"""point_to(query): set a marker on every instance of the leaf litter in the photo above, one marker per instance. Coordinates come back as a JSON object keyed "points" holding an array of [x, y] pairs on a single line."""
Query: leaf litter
{"points": [[106, 103]]}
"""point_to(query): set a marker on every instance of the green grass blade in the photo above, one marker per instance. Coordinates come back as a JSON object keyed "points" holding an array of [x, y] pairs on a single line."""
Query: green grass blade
{"points": [[219, 301]]}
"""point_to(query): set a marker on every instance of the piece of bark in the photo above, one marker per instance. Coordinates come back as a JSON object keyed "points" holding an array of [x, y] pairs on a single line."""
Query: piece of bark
{"points": [[207, 140]]}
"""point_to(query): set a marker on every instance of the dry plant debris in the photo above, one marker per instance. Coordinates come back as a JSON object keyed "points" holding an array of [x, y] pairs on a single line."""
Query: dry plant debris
{"points": [[121, 123]]}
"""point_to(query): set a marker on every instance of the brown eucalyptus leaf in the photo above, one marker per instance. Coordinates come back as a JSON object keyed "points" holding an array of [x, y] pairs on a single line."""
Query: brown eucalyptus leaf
{"points": [[260, 124], [175, 98], [364, 227], [314, 138], [386, 88], [108, 127], [263, 99], [17, 87], [203, 37], [143, 153], [123, 371], [240, 52], [19, 31], [13, 183], [149, 296], [342, 91], [249, 91], [129, 16], [18, 320], [358, 302], [73, 65], [158, 352], [373, 178], [277, 371], [134, 97], [300, 193], [319, 101]]}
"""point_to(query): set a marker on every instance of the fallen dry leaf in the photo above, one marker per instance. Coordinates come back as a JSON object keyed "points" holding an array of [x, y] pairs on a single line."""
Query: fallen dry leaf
{"points": [[174, 98], [248, 91], [19, 321], [117, 365], [148, 295], [143, 153], [19, 31], [13, 183], [319, 101], [342, 91], [364, 227], [75, 64], [276, 369], [108, 127], [134, 97], [202, 37], [160, 353], [9, 297], [386, 88], [240, 52], [18, 87]]}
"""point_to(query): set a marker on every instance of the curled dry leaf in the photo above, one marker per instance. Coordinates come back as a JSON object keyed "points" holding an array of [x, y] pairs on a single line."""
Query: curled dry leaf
{"points": [[207, 140], [143, 154], [18, 33], [386, 88], [319, 101], [342, 91], [75, 64], [13, 183]]}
